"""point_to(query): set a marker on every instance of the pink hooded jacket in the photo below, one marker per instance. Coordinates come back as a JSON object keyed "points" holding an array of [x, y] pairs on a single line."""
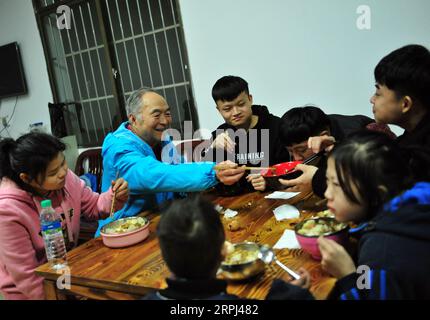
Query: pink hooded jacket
{"points": [[21, 244]]}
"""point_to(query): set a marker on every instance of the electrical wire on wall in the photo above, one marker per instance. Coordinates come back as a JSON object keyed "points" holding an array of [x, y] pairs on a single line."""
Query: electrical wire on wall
{"points": [[6, 126]]}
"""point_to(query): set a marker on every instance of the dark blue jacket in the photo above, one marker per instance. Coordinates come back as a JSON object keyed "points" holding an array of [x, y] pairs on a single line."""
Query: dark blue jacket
{"points": [[395, 245], [214, 289]]}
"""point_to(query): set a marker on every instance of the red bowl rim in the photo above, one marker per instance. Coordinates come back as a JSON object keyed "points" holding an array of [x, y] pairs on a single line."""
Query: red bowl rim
{"points": [[278, 165]]}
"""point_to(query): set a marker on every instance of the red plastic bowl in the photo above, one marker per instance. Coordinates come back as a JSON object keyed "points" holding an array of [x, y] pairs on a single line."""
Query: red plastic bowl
{"points": [[284, 170], [309, 244]]}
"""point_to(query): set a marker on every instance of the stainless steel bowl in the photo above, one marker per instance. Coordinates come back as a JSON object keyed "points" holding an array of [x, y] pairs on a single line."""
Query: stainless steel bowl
{"points": [[243, 271]]}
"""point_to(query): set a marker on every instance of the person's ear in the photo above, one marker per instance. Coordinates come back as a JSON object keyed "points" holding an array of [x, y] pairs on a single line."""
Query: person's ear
{"points": [[251, 99], [25, 178], [131, 118], [407, 104]]}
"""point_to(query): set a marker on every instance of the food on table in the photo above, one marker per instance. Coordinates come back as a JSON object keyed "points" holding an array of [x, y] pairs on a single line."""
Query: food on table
{"points": [[234, 225], [240, 256], [320, 227], [127, 226]]}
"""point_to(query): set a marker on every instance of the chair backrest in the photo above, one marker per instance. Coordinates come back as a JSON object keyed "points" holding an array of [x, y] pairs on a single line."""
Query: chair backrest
{"points": [[91, 161]]}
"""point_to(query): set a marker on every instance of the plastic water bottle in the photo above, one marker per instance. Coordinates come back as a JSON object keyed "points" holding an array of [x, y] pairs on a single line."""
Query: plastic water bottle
{"points": [[53, 236]]}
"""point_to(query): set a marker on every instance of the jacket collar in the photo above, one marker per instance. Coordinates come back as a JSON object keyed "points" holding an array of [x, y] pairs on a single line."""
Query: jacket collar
{"points": [[419, 194], [421, 130]]}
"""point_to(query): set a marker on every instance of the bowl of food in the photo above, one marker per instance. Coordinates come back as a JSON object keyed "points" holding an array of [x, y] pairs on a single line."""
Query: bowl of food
{"points": [[242, 262], [125, 232], [285, 170], [309, 230]]}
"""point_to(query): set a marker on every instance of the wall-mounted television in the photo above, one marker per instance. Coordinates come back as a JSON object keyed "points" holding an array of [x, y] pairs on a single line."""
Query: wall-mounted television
{"points": [[12, 79]]}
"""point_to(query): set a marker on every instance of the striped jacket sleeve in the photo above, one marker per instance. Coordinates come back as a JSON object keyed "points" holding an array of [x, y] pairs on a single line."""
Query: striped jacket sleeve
{"points": [[374, 284]]}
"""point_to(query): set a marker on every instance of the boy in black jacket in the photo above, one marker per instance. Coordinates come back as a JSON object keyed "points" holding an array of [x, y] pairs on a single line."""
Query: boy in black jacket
{"points": [[250, 134], [299, 124]]}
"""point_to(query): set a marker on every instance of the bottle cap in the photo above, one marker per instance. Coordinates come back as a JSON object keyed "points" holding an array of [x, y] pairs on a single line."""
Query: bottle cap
{"points": [[46, 204]]}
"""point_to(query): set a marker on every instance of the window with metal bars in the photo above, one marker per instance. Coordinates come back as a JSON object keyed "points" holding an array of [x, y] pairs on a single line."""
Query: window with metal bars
{"points": [[112, 48]]}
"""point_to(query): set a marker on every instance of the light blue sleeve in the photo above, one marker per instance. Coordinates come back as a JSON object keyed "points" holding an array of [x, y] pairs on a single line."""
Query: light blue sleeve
{"points": [[145, 174]]}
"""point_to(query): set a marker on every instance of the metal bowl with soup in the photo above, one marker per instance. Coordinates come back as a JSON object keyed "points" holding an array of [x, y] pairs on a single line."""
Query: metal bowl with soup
{"points": [[242, 262]]}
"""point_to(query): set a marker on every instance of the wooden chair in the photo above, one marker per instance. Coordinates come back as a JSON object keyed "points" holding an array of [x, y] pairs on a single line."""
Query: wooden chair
{"points": [[89, 161]]}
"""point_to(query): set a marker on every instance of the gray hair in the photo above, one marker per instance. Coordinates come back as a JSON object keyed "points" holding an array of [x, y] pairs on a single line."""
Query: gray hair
{"points": [[134, 101]]}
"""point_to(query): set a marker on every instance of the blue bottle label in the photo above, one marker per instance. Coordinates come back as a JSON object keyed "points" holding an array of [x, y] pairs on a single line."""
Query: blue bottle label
{"points": [[51, 226]]}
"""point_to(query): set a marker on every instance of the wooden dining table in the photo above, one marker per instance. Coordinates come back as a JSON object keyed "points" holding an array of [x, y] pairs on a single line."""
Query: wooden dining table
{"points": [[99, 272]]}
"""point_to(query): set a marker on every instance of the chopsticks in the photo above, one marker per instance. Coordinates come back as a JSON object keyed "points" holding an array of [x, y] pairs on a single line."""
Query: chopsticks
{"points": [[112, 208], [223, 167], [306, 161], [312, 158]]}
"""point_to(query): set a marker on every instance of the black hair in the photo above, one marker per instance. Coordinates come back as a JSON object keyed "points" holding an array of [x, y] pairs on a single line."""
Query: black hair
{"points": [[367, 160], [191, 238], [30, 154], [228, 88], [298, 124], [406, 71]]}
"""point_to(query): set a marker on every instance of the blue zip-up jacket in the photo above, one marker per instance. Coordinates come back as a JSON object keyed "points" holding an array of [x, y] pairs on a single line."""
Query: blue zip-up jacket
{"points": [[395, 245], [150, 181]]}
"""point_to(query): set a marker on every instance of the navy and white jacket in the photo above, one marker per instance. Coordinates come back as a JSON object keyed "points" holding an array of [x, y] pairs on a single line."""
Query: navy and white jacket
{"points": [[395, 245]]}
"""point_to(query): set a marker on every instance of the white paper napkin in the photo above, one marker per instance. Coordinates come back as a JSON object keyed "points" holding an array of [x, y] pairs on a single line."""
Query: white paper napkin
{"points": [[228, 213], [282, 195], [287, 241], [286, 211]]}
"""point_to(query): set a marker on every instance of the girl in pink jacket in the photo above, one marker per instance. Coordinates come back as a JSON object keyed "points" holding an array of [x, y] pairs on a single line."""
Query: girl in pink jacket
{"points": [[33, 168]]}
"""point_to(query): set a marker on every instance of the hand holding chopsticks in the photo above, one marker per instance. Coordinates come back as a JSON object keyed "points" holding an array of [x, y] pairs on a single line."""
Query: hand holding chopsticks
{"points": [[321, 143], [120, 192], [225, 167]]}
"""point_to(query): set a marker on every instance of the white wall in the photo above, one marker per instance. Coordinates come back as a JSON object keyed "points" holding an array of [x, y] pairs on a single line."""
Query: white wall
{"points": [[294, 52], [18, 23], [291, 52]]}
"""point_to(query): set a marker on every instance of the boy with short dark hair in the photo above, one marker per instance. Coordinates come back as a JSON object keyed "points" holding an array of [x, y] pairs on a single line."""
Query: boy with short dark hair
{"points": [[402, 94], [192, 242], [299, 124], [250, 134]]}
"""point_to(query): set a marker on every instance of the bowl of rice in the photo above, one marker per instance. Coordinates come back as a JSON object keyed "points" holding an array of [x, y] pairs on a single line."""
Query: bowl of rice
{"points": [[125, 232], [309, 230]]}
